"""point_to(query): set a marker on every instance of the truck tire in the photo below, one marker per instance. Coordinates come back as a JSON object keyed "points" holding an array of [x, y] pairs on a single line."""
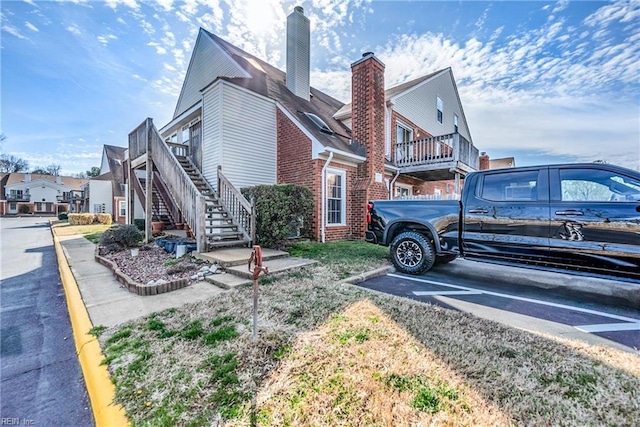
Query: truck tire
{"points": [[412, 253]]}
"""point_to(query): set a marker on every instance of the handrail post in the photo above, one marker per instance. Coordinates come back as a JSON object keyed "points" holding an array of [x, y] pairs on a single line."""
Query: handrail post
{"points": [[253, 220]]}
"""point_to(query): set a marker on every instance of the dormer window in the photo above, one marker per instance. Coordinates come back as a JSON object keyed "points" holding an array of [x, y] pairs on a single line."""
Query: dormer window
{"points": [[319, 123]]}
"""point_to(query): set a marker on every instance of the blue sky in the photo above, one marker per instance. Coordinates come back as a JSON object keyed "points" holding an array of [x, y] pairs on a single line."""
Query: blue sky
{"points": [[544, 81]]}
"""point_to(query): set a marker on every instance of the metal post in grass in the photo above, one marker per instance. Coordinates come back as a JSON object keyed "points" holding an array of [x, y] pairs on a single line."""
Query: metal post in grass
{"points": [[256, 260]]}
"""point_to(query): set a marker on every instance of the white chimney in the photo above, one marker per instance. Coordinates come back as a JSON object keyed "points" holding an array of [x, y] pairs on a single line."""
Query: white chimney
{"points": [[298, 53]]}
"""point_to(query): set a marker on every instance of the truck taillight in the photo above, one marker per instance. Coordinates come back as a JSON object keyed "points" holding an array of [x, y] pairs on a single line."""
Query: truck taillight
{"points": [[369, 209]]}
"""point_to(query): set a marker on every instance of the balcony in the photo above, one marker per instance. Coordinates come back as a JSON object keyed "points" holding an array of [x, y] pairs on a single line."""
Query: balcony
{"points": [[71, 197], [438, 158], [13, 197]]}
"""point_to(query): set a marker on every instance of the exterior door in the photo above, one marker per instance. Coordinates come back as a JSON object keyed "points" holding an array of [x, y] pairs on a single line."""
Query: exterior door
{"points": [[195, 141], [595, 218], [507, 216]]}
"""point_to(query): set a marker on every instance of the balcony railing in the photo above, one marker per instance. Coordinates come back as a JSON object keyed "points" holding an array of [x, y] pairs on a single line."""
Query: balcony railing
{"points": [[74, 196], [450, 152], [18, 197]]}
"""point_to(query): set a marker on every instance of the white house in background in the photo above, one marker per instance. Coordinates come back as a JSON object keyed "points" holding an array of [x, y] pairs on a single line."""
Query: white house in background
{"points": [[40, 194], [106, 193]]}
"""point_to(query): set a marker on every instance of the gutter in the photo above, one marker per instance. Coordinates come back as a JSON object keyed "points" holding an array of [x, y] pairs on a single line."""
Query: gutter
{"points": [[324, 195], [393, 181]]}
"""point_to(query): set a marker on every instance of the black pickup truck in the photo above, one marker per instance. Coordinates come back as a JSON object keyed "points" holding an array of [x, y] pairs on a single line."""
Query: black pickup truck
{"points": [[574, 216]]}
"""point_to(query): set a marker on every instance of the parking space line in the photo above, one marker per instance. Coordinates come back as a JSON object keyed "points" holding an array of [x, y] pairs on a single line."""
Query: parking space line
{"points": [[429, 293], [514, 297], [609, 327]]}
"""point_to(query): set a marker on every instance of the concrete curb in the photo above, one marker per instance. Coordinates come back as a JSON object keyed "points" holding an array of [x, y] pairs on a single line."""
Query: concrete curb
{"points": [[99, 386], [353, 280]]}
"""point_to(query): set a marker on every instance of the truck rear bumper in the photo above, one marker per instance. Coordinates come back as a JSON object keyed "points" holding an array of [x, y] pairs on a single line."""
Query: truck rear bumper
{"points": [[370, 236]]}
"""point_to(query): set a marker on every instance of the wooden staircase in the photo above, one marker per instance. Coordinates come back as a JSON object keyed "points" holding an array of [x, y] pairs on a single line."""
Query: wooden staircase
{"points": [[220, 229], [222, 219]]}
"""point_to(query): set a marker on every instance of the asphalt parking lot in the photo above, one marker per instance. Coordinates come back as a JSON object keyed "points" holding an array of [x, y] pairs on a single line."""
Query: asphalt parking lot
{"points": [[597, 310]]}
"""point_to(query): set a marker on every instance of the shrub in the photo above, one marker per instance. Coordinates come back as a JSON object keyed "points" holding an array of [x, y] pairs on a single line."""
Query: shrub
{"points": [[81, 218], [24, 209], [104, 218], [139, 222], [281, 210], [62, 216], [125, 235]]}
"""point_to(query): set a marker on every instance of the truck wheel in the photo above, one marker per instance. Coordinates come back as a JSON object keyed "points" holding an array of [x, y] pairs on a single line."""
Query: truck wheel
{"points": [[412, 253]]}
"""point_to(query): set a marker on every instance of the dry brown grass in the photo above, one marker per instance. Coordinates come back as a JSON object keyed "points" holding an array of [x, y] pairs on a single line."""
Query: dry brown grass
{"points": [[334, 354]]}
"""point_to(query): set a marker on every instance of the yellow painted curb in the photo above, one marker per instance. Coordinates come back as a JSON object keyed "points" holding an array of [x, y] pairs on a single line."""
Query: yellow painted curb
{"points": [[99, 386]]}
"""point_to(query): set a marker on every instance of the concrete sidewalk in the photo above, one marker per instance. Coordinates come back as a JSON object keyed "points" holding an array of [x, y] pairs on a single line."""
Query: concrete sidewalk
{"points": [[107, 301]]}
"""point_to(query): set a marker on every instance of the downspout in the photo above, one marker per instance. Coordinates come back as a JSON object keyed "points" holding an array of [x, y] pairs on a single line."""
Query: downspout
{"points": [[324, 195], [393, 181]]}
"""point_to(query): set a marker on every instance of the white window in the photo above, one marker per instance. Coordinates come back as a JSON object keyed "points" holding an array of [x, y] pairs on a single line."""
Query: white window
{"points": [[336, 197], [403, 134], [185, 134], [13, 206], [122, 207], [455, 123], [402, 190], [440, 109]]}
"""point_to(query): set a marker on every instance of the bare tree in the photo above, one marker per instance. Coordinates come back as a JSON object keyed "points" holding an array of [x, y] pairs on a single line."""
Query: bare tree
{"points": [[10, 163]]}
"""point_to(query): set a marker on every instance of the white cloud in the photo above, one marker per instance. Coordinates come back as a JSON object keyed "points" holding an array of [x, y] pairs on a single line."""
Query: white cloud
{"points": [[32, 27], [167, 5], [160, 50], [113, 4], [13, 31], [74, 29], [105, 39]]}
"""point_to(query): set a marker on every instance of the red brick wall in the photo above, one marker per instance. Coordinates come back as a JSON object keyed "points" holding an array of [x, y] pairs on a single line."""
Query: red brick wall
{"points": [[368, 128], [295, 166]]}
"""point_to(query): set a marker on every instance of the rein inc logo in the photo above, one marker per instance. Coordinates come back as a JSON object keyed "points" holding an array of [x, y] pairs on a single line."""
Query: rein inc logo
{"points": [[16, 422]]}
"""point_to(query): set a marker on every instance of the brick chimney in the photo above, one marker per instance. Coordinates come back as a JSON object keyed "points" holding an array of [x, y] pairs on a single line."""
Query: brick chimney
{"points": [[368, 120], [367, 129], [483, 161]]}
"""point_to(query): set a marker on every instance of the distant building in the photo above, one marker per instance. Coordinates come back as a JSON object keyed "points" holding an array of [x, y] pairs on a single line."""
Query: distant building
{"points": [[40, 194]]}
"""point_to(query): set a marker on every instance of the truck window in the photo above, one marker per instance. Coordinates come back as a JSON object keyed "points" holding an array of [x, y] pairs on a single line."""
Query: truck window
{"points": [[510, 186], [591, 185]]}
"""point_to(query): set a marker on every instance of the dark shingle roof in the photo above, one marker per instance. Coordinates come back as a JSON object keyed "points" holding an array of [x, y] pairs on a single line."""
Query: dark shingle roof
{"points": [[269, 81], [115, 157]]}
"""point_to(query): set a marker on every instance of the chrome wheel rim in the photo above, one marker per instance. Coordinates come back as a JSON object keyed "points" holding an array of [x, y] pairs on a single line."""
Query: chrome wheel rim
{"points": [[409, 253]]}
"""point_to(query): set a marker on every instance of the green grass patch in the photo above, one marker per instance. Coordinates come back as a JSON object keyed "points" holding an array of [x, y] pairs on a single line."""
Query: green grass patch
{"points": [[224, 333], [170, 262], [340, 252], [123, 333], [427, 397], [192, 330], [96, 331]]}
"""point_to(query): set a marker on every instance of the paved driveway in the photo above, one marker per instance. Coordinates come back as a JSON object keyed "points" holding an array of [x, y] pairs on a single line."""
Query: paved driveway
{"points": [[42, 384], [507, 294]]}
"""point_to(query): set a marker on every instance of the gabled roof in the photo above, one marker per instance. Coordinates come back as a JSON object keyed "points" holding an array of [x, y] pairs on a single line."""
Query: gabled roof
{"points": [[115, 160], [267, 80], [67, 181], [390, 93]]}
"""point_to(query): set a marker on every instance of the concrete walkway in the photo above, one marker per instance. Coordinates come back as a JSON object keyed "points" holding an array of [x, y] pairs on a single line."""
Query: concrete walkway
{"points": [[107, 301]]}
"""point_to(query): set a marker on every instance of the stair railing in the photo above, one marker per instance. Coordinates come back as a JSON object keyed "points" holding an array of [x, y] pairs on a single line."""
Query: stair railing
{"points": [[241, 210], [179, 184]]}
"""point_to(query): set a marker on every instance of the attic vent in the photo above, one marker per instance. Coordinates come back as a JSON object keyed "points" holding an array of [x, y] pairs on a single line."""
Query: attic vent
{"points": [[320, 123]]}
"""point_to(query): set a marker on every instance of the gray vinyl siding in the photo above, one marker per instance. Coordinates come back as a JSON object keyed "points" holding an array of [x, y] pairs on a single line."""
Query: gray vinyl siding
{"points": [[207, 64], [211, 132], [419, 106], [249, 135]]}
